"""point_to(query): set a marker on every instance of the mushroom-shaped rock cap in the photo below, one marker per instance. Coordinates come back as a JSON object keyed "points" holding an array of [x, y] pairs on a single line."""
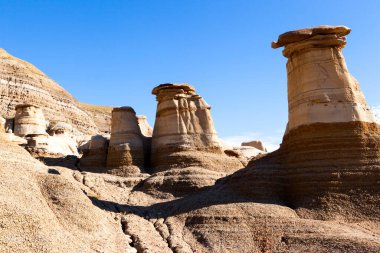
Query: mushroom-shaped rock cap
{"points": [[303, 34], [172, 86], [124, 108]]}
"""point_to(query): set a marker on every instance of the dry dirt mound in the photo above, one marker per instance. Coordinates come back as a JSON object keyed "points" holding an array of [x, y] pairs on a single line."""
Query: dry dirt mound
{"points": [[43, 211]]}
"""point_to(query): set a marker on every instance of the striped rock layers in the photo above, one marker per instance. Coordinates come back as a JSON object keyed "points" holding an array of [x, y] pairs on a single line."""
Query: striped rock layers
{"points": [[126, 147], [29, 120], [331, 150], [184, 133], [21, 83]]}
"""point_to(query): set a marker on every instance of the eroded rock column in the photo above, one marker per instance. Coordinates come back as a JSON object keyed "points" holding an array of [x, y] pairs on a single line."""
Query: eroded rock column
{"points": [[126, 148], [184, 132], [320, 87], [29, 120], [331, 149]]}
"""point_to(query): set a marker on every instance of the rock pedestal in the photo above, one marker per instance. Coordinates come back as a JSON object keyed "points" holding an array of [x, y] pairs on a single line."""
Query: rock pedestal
{"points": [[29, 120], [126, 148], [184, 133], [331, 149]]}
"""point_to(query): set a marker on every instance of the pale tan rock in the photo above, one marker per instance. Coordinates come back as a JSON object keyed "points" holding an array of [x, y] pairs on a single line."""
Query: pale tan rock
{"points": [[2, 125], [44, 212], [23, 83], [145, 128], [126, 147], [320, 87], [29, 120], [329, 155], [184, 124], [306, 33], [256, 144]]}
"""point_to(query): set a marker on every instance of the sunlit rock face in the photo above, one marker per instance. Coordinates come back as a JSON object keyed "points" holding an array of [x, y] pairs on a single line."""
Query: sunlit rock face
{"points": [[320, 87], [29, 120], [23, 83], [331, 151], [145, 128], [184, 132], [126, 147]]}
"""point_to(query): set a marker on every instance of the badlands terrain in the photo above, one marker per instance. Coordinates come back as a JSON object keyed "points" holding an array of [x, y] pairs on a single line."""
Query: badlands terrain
{"points": [[84, 178]]}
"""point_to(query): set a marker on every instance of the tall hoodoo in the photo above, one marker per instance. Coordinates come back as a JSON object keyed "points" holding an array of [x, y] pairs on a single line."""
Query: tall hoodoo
{"points": [[126, 147], [184, 124], [331, 150], [320, 88]]}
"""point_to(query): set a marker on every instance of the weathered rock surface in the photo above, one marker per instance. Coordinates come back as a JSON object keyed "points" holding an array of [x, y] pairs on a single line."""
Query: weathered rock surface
{"points": [[94, 158], [29, 120], [320, 88], [256, 144], [126, 148], [44, 212], [2, 124], [145, 128], [23, 83], [319, 192], [102, 116], [184, 133]]}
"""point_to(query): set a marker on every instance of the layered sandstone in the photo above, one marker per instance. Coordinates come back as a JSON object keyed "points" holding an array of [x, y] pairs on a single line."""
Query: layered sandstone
{"points": [[255, 144], [126, 148], [331, 150], [29, 120], [145, 128], [44, 210], [320, 87], [23, 83], [184, 133]]}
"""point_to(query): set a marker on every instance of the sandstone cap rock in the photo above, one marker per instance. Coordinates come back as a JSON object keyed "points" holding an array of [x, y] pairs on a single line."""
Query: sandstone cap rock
{"points": [[124, 108], [166, 86], [303, 34]]}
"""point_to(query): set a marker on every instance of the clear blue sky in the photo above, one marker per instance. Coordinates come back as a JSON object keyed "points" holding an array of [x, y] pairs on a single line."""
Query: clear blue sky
{"points": [[109, 52]]}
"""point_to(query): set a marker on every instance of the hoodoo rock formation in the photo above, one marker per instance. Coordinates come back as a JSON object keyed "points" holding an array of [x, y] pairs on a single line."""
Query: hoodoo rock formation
{"points": [[319, 192], [320, 88], [331, 149], [29, 120], [184, 134], [126, 147]]}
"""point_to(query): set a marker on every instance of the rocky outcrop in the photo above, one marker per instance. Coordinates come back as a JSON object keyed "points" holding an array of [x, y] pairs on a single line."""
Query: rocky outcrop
{"points": [[145, 128], [320, 88], [29, 120], [126, 148], [255, 144], [184, 134], [102, 116], [43, 210], [94, 158], [23, 83], [331, 150], [30, 123]]}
